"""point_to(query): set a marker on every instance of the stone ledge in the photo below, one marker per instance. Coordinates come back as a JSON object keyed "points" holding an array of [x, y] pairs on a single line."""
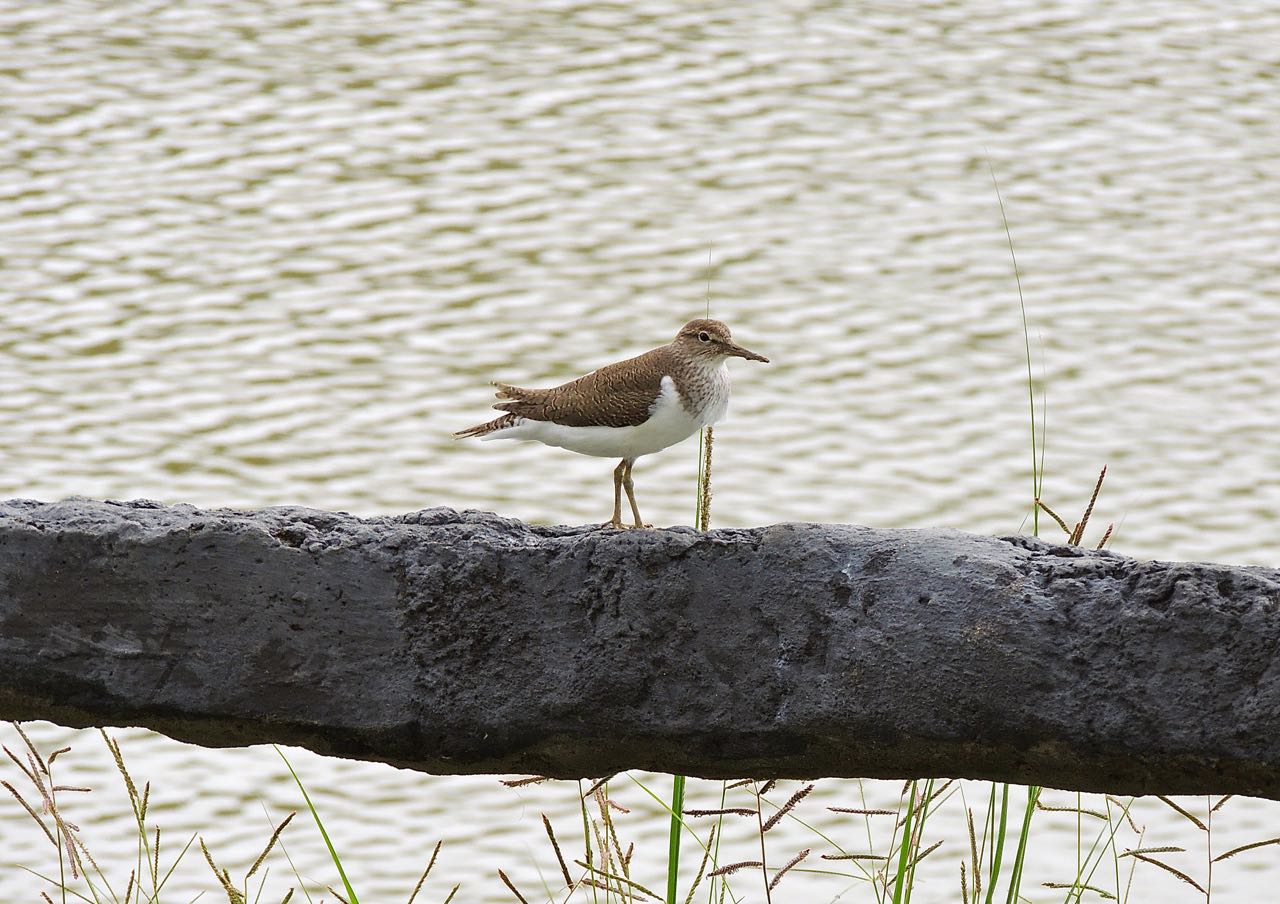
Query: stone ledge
{"points": [[462, 642]]}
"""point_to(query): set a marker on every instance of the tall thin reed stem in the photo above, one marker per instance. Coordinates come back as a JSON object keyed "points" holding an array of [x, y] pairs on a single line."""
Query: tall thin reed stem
{"points": [[1036, 475]]}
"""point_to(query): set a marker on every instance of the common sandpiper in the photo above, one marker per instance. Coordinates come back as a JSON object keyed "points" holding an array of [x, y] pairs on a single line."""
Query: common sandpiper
{"points": [[628, 409]]}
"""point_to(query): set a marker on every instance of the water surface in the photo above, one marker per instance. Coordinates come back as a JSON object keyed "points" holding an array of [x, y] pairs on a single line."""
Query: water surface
{"points": [[257, 254]]}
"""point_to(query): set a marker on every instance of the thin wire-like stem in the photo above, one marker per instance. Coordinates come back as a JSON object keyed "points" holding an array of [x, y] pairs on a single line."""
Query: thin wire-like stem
{"points": [[1026, 336], [764, 861]]}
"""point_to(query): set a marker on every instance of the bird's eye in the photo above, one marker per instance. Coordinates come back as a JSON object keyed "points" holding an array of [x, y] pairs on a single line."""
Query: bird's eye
{"points": [[704, 336]]}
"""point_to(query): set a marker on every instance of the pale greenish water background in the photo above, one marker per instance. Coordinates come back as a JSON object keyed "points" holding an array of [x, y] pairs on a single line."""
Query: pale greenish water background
{"points": [[272, 253]]}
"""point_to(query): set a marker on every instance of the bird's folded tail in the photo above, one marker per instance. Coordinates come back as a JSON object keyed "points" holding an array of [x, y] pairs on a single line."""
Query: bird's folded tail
{"points": [[507, 392], [498, 423]]}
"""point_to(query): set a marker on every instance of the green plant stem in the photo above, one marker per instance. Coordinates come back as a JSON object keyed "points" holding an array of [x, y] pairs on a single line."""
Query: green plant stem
{"points": [[673, 837], [997, 849], [904, 849], [333, 853], [1015, 880]]}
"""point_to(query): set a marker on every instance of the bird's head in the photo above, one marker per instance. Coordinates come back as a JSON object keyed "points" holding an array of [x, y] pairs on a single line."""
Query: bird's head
{"points": [[711, 339]]}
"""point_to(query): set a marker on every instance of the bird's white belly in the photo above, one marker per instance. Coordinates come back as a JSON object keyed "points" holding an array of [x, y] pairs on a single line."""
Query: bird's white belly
{"points": [[668, 423]]}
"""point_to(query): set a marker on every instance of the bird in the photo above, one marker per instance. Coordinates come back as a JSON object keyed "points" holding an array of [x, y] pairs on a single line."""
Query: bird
{"points": [[627, 409]]}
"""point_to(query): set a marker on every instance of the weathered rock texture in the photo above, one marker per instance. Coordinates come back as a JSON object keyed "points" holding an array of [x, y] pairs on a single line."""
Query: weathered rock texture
{"points": [[464, 642]]}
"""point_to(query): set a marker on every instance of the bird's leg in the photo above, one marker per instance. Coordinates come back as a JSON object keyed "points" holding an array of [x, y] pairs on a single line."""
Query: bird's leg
{"points": [[617, 494], [631, 495]]}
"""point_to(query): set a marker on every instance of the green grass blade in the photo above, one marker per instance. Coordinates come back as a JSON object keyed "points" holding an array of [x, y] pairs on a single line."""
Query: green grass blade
{"points": [[997, 849], [333, 854], [673, 837], [904, 848], [1015, 880]]}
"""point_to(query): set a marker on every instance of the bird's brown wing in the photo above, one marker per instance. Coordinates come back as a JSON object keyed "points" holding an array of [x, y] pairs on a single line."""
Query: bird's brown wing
{"points": [[617, 395]]}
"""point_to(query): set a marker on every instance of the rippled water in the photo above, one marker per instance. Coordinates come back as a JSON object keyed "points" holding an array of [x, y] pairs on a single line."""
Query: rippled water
{"points": [[272, 253]]}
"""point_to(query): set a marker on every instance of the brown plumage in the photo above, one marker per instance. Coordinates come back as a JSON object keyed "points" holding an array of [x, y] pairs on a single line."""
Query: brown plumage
{"points": [[621, 394], [617, 395], [498, 423]]}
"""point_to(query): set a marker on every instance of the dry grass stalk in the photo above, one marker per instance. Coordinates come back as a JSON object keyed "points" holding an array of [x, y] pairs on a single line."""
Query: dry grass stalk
{"points": [[1125, 808], [1075, 534], [722, 811], [1081, 810], [1088, 512], [600, 783], [452, 892], [777, 877], [421, 880], [768, 786], [564, 869], [528, 780], [31, 747], [976, 857], [734, 867], [606, 855], [704, 495], [38, 773], [1177, 809], [787, 807], [1246, 847], [1054, 515], [271, 842], [624, 859], [938, 792], [964, 886], [139, 805], [740, 783], [155, 861], [31, 812], [854, 857], [863, 811], [1076, 886], [78, 849], [702, 867], [515, 891], [341, 899], [223, 877], [22, 766], [614, 877], [1219, 804], [1172, 871], [925, 853], [1167, 849], [607, 888]]}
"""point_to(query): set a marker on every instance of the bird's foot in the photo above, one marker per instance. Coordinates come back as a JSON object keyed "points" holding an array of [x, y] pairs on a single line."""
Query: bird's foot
{"points": [[618, 525]]}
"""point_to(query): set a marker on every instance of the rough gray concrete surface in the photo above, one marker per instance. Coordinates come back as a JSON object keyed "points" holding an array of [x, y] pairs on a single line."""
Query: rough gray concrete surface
{"points": [[465, 642]]}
